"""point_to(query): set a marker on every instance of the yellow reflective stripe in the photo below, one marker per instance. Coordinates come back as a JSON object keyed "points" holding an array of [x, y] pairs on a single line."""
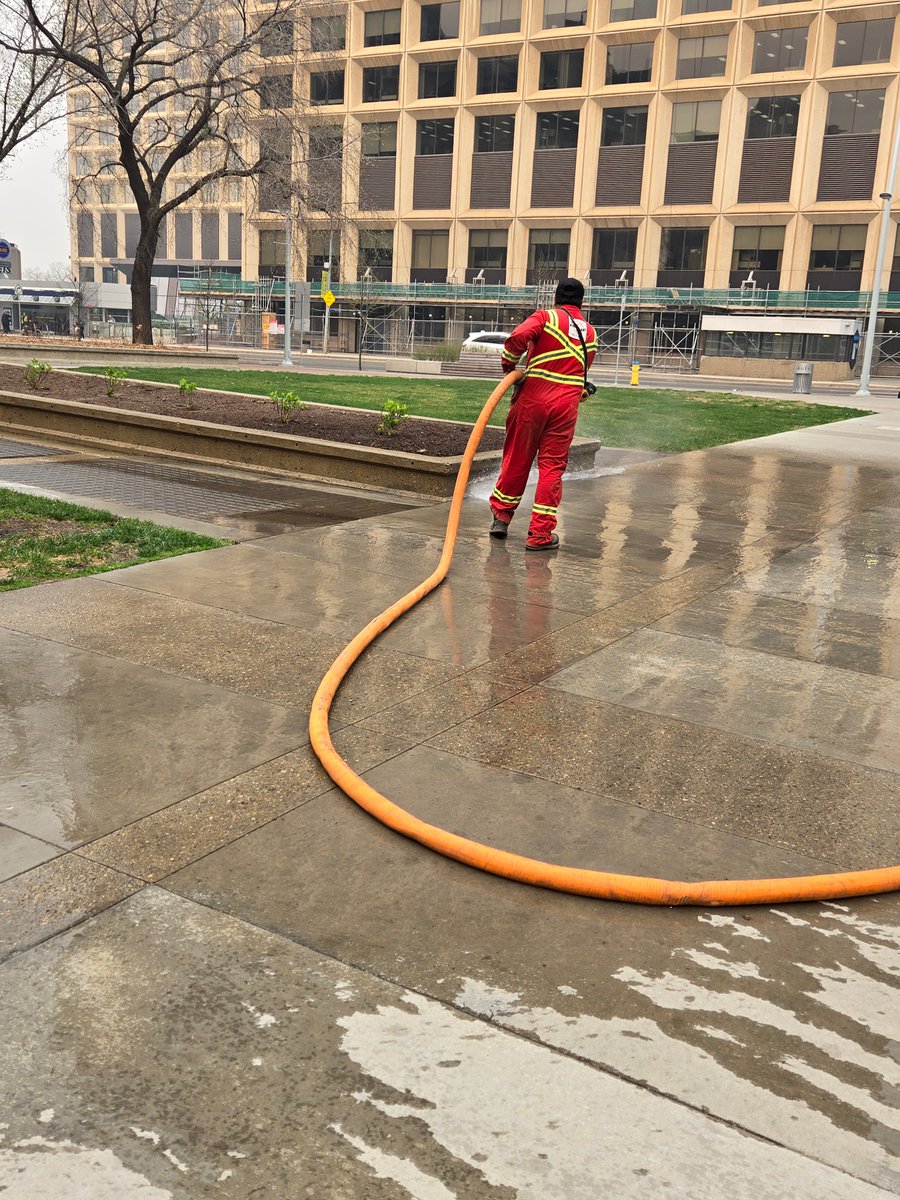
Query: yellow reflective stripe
{"points": [[509, 356], [546, 509], [507, 499], [550, 356], [557, 377]]}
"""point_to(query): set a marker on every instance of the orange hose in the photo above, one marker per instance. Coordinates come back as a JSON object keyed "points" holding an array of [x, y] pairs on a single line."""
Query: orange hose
{"points": [[604, 885]]}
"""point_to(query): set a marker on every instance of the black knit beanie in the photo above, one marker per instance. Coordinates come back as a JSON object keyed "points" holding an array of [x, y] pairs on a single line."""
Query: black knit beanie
{"points": [[569, 291]]}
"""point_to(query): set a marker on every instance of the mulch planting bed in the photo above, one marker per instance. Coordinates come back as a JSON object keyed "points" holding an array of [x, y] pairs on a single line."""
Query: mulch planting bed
{"points": [[358, 428]]}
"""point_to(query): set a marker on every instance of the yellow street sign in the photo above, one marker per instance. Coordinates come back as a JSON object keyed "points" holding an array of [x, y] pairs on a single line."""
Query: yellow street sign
{"points": [[328, 297]]}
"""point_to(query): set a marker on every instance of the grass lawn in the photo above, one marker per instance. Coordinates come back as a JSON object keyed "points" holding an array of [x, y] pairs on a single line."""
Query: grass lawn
{"points": [[43, 539], [640, 418]]}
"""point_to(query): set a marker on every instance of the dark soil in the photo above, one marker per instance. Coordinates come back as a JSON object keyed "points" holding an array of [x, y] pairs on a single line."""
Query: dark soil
{"points": [[442, 439]]}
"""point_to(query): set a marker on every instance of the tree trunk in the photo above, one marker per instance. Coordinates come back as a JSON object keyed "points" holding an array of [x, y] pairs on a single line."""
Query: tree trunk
{"points": [[141, 308]]}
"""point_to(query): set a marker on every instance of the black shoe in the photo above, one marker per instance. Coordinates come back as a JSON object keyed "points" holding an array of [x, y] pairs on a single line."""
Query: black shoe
{"points": [[551, 545], [499, 529]]}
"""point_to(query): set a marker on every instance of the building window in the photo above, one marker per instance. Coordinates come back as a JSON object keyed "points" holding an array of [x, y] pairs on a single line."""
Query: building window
{"points": [[631, 63], [548, 254], [689, 7], [632, 10], [382, 28], [439, 22], [430, 249], [561, 69], [83, 165], [757, 248], [624, 126], [376, 253], [276, 91], [380, 83], [277, 39], [271, 252], [859, 42], [379, 140], [498, 74], [110, 275], [559, 14], [493, 134], [696, 121], [86, 274], [321, 244], [837, 248], [326, 33], [779, 50], [326, 87], [699, 58], [435, 136], [854, 112], [614, 249], [500, 16], [557, 131], [683, 250], [773, 116], [437, 79], [487, 249]]}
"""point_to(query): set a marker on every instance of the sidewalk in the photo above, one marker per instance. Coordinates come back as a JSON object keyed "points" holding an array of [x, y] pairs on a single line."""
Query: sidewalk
{"points": [[221, 978]]}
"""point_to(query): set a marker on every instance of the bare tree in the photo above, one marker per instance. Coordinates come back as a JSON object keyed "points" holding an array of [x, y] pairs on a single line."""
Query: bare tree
{"points": [[175, 89], [31, 87]]}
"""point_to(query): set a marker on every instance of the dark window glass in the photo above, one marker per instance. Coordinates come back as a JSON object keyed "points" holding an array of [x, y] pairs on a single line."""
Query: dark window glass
{"points": [[376, 250], [277, 38], [863, 42], [276, 91], [498, 74], [382, 28], [696, 121], [326, 33], [854, 112], [632, 10], [110, 275], [699, 58], [837, 248], [86, 274], [773, 116], [561, 69], [613, 249], [380, 83], [487, 249], [379, 140], [688, 7], [327, 88], [437, 79], [548, 251], [500, 16], [430, 248], [494, 134], [557, 131], [779, 50], [320, 245], [631, 63], [435, 136], [757, 248], [683, 249], [558, 14], [439, 21], [624, 127]]}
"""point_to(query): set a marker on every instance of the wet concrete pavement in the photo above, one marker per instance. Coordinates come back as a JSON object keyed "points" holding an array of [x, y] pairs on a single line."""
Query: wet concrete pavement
{"points": [[221, 978]]}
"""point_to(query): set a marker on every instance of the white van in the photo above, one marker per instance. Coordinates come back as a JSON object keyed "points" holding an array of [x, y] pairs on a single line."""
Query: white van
{"points": [[484, 341]]}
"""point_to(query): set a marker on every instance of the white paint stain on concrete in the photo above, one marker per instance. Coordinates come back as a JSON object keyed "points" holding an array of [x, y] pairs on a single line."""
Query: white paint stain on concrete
{"points": [[225, 1175], [486, 1001], [552, 1128], [738, 928], [737, 970], [148, 1135], [400, 1170], [175, 1161], [263, 1020], [869, 1002], [565, 990], [46, 1116], [38, 1167]]}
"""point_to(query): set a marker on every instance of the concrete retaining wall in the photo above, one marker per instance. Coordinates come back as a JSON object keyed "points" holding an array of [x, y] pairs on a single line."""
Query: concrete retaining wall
{"points": [[770, 368]]}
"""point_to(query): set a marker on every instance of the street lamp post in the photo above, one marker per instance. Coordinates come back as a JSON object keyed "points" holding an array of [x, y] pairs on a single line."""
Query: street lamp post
{"points": [[327, 289], [886, 197], [287, 361]]}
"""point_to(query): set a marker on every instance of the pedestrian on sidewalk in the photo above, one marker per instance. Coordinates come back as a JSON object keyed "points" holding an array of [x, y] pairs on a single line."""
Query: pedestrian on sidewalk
{"points": [[6, 320], [541, 422]]}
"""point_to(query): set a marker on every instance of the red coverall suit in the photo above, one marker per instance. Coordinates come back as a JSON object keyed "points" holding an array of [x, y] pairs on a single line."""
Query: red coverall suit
{"points": [[542, 415]]}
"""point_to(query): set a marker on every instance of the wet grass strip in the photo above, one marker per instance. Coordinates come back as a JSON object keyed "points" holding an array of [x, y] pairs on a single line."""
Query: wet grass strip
{"points": [[43, 540], [669, 419]]}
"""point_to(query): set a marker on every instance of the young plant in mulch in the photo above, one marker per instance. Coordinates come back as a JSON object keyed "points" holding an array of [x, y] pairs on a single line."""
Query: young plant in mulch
{"points": [[114, 377], [187, 389], [286, 405], [393, 414], [36, 372]]}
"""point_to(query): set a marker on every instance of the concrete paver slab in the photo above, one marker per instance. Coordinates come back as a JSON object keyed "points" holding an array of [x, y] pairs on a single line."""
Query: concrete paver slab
{"points": [[88, 743], [19, 852], [314, 1078], [833, 712], [14, 449]]}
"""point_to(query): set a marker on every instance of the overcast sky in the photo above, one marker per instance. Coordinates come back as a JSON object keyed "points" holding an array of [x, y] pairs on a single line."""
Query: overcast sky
{"points": [[33, 204]]}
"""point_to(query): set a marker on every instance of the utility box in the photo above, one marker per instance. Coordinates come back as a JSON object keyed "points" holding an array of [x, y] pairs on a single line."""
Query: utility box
{"points": [[803, 373]]}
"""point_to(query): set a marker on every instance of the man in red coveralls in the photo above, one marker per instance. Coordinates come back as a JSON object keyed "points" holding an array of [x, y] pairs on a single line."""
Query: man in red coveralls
{"points": [[543, 412]]}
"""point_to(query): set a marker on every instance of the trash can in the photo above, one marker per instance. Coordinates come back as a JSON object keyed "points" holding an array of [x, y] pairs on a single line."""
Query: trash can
{"points": [[803, 377]]}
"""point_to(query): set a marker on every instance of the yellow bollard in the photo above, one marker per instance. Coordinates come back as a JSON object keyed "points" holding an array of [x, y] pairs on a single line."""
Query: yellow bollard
{"points": [[635, 374]]}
